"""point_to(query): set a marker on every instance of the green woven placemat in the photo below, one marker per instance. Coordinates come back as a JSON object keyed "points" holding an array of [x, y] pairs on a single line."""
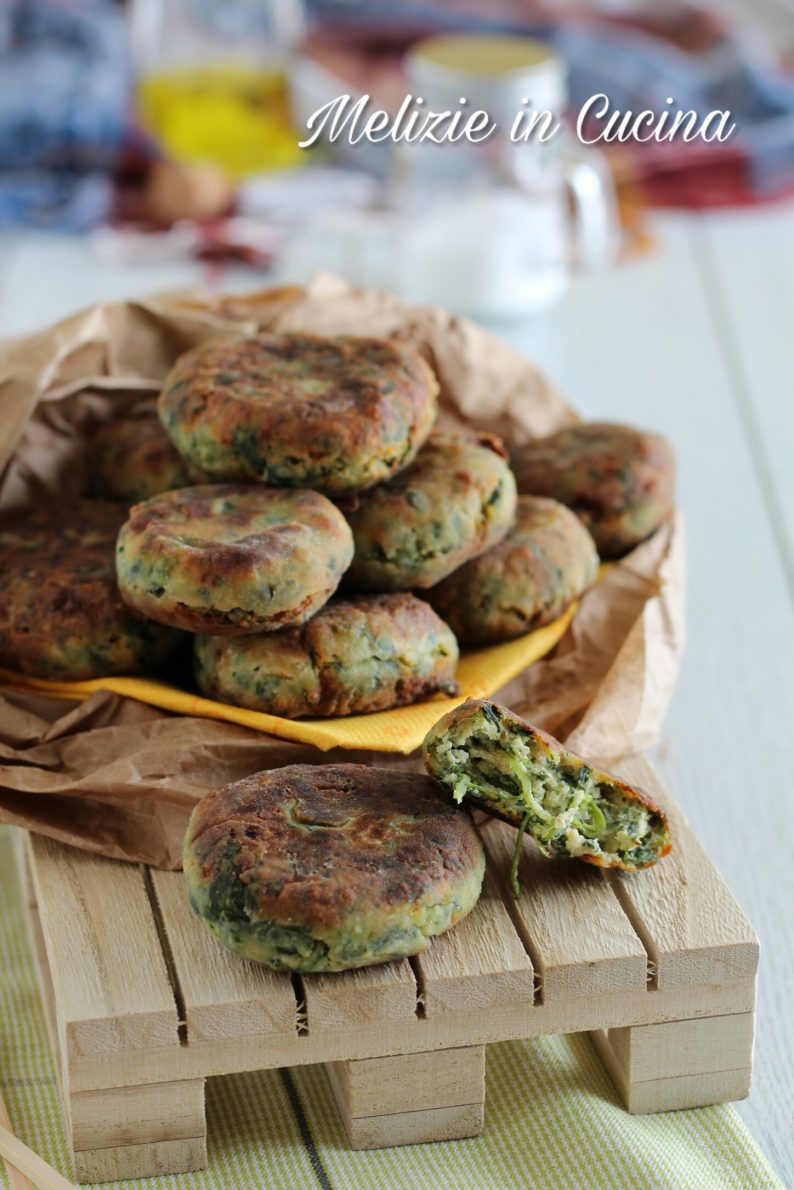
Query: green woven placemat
{"points": [[552, 1118]]}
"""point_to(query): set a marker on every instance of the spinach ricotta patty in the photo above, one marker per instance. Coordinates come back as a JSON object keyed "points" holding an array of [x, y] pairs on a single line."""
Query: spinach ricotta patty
{"points": [[132, 458], [61, 614], [353, 656], [485, 754], [457, 499], [547, 560], [232, 558], [619, 481], [326, 867], [300, 410]]}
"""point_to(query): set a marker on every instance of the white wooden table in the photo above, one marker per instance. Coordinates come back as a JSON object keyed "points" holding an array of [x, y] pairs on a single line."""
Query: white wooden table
{"points": [[697, 340]]}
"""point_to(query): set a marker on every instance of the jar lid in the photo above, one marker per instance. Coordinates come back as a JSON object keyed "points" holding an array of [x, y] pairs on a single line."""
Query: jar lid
{"points": [[497, 73]]}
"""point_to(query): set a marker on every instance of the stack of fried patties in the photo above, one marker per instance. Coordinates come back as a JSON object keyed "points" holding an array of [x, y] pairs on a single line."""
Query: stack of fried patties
{"points": [[275, 472]]}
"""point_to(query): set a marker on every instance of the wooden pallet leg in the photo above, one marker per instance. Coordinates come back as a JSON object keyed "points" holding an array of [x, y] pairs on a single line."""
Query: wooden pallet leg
{"points": [[679, 1064], [126, 1132], [136, 1132], [410, 1099]]}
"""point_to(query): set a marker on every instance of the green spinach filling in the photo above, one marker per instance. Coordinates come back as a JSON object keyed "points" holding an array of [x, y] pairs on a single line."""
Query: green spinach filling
{"points": [[228, 906], [567, 809]]}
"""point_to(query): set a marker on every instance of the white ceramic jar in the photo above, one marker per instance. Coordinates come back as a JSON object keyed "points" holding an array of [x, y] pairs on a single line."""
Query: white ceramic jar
{"points": [[493, 229]]}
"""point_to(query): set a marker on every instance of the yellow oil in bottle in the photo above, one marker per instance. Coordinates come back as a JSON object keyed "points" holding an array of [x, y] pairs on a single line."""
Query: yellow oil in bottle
{"points": [[234, 116]]}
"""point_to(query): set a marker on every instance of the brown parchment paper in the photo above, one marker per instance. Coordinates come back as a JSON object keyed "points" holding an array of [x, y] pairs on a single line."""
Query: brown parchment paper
{"points": [[119, 778]]}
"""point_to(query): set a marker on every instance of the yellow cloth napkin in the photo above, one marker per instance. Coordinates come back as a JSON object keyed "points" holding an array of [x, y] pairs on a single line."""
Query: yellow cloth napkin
{"points": [[481, 672], [552, 1119]]}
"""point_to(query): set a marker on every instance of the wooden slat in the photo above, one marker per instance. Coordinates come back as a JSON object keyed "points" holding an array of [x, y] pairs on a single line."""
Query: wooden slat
{"points": [[438, 1096], [678, 1048], [348, 999], [449, 1022], [439, 1031], [479, 965], [672, 1094], [40, 959], [411, 1082], [141, 1161], [580, 938], [690, 920], [109, 977], [415, 1127], [19, 849], [223, 996], [146, 1114]]}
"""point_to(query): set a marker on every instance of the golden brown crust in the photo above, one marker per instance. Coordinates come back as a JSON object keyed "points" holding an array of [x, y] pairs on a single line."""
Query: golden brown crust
{"points": [[454, 501], [313, 844], [353, 657], [300, 410], [546, 561], [620, 481], [132, 458], [61, 614], [402, 627], [556, 757], [232, 558]]}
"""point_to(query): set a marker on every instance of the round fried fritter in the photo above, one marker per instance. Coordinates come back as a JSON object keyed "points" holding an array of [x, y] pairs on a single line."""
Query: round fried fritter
{"points": [[61, 614], [232, 558], [619, 481], [300, 410], [354, 656], [326, 867], [547, 560], [132, 458], [456, 499]]}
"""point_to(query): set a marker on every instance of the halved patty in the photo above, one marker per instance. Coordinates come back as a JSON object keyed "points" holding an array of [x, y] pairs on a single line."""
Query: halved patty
{"points": [[61, 614], [132, 458], [619, 481], [300, 410], [232, 558], [545, 562], [483, 753], [455, 500], [353, 656], [322, 868]]}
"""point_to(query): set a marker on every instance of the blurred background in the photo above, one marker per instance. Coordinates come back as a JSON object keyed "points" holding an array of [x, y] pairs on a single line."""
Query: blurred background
{"points": [[155, 141], [151, 145]]}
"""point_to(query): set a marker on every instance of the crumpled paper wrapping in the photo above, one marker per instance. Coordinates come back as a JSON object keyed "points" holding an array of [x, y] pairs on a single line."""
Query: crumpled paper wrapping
{"points": [[119, 778]]}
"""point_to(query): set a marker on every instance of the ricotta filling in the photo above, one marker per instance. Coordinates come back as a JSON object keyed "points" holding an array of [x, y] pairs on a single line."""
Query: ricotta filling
{"points": [[566, 808]]}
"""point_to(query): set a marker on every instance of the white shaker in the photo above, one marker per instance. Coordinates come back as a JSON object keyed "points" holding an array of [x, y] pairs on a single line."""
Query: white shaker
{"points": [[493, 229]]}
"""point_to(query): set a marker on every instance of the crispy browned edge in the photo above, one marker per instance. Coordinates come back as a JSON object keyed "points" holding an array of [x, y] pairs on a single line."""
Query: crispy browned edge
{"points": [[550, 742], [366, 798]]}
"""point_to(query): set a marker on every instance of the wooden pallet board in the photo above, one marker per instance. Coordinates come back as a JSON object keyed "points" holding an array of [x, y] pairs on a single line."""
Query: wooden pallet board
{"points": [[144, 1005]]}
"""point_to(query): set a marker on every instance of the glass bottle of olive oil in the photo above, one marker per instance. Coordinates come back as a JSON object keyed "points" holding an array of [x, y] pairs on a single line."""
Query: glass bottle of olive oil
{"points": [[212, 83]]}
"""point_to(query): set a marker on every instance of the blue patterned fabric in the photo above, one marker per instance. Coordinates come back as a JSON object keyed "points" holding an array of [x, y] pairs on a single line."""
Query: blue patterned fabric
{"points": [[65, 87], [638, 60]]}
